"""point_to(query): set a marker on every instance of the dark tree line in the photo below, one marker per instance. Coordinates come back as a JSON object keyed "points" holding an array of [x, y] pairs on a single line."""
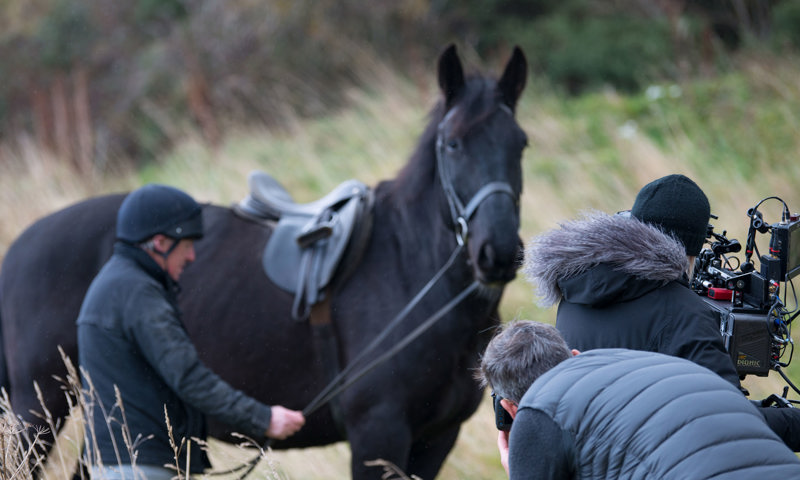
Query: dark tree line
{"points": [[102, 80]]}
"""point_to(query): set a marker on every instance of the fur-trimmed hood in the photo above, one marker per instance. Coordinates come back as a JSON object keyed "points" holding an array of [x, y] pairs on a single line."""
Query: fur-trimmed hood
{"points": [[625, 244]]}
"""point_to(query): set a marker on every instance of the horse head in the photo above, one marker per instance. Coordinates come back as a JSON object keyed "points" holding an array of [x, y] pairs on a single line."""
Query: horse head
{"points": [[478, 160]]}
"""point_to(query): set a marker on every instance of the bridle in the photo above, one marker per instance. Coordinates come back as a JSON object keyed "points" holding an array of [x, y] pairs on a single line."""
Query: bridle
{"points": [[459, 213]]}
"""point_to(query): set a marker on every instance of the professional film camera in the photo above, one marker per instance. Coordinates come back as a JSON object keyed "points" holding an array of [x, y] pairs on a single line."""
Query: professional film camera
{"points": [[754, 320]]}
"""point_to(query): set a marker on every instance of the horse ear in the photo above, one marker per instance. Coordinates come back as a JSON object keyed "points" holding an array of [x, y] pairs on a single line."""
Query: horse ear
{"points": [[513, 80], [451, 75]]}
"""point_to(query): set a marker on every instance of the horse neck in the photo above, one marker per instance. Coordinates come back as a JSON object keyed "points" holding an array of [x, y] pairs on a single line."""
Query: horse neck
{"points": [[410, 214], [413, 194]]}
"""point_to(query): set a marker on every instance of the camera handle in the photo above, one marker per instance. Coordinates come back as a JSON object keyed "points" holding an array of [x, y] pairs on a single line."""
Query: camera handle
{"points": [[779, 401], [756, 225], [788, 382]]}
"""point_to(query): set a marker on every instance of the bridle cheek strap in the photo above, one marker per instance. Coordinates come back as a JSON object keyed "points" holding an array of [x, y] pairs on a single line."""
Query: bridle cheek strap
{"points": [[460, 214]]}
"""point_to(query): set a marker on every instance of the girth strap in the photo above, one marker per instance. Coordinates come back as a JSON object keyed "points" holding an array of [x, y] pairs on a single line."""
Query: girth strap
{"points": [[325, 345]]}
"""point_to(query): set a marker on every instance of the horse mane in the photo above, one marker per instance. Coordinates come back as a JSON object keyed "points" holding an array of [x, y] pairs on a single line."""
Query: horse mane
{"points": [[477, 101]]}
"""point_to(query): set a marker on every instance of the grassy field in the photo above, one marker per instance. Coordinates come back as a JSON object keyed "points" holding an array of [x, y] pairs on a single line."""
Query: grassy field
{"points": [[737, 135]]}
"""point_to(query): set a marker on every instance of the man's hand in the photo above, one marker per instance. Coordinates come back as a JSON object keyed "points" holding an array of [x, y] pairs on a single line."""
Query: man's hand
{"points": [[284, 422], [502, 445]]}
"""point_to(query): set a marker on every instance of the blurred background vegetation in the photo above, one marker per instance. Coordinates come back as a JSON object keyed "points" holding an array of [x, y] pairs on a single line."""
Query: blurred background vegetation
{"points": [[103, 81], [104, 96]]}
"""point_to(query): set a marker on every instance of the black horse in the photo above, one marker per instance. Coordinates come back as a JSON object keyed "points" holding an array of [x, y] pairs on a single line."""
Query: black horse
{"points": [[407, 410]]}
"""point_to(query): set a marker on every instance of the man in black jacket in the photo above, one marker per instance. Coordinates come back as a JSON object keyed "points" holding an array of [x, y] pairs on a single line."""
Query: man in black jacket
{"points": [[622, 282], [615, 413], [131, 340]]}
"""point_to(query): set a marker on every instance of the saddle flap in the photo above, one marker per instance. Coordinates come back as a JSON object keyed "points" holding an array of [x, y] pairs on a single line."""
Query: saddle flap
{"points": [[282, 256], [304, 251]]}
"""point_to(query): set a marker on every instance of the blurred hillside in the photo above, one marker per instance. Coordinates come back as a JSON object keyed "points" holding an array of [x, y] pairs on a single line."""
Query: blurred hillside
{"points": [[105, 82]]}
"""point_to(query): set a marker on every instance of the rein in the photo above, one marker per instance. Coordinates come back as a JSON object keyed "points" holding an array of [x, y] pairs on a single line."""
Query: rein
{"points": [[400, 345], [331, 390], [336, 386], [460, 215]]}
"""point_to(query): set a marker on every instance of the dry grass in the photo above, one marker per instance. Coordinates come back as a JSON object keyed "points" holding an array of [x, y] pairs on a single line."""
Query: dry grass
{"points": [[23, 446]]}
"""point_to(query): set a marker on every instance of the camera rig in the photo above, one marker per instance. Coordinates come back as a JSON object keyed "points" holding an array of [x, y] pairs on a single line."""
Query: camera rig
{"points": [[754, 320]]}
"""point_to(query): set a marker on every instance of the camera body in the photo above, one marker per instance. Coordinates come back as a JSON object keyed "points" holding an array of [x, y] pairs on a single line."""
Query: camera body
{"points": [[748, 337], [752, 318]]}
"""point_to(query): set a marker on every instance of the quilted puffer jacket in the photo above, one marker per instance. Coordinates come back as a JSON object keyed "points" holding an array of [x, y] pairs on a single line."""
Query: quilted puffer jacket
{"points": [[625, 414]]}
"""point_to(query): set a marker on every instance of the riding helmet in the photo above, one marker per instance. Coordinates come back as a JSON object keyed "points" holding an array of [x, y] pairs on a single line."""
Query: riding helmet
{"points": [[154, 209]]}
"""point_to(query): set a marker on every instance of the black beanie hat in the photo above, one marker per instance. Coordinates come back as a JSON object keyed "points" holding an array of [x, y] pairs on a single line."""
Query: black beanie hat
{"points": [[677, 205]]}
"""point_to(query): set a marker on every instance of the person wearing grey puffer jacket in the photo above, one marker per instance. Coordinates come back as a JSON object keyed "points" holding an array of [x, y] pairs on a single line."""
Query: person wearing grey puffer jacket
{"points": [[622, 414], [621, 281]]}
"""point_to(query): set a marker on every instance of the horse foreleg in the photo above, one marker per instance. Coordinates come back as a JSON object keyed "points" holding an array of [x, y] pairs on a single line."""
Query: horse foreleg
{"points": [[427, 455], [378, 447]]}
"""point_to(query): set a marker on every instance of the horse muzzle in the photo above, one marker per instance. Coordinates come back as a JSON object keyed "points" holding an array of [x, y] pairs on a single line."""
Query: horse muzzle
{"points": [[496, 264]]}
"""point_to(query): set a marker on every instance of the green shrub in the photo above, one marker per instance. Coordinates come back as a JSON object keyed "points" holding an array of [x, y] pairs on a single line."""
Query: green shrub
{"points": [[579, 45], [581, 53], [786, 25]]}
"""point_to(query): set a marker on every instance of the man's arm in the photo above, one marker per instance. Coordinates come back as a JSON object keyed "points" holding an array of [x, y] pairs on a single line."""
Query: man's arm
{"points": [[538, 448], [167, 347], [694, 334], [786, 423]]}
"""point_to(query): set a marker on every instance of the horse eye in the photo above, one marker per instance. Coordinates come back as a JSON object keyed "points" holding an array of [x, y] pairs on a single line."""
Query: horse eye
{"points": [[453, 144]]}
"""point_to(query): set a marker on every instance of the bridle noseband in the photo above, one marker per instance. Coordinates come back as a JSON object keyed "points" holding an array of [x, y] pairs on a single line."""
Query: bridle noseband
{"points": [[459, 213]]}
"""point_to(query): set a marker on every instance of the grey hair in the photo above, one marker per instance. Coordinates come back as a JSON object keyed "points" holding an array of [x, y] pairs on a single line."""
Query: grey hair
{"points": [[148, 245], [519, 354]]}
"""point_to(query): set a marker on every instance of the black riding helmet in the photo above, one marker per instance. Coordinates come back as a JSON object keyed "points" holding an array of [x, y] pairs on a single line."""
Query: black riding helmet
{"points": [[154, 209]]}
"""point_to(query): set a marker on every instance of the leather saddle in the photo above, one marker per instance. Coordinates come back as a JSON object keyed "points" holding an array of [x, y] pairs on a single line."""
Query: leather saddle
{"points": [[312, 243]]}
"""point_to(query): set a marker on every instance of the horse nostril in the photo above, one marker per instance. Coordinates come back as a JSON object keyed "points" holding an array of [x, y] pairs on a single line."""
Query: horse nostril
{"points": [[494, 267], [487, 258]]}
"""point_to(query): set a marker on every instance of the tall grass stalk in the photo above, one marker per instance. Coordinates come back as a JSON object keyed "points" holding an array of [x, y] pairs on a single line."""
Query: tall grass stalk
{"points": [[28, 452]]}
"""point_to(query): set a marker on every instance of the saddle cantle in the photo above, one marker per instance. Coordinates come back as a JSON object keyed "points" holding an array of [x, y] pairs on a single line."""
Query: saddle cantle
{"points": [[310, 241]]}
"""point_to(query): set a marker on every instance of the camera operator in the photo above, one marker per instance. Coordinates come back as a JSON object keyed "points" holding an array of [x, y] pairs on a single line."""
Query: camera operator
{"points": [[615, 413], [623, 282]]}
